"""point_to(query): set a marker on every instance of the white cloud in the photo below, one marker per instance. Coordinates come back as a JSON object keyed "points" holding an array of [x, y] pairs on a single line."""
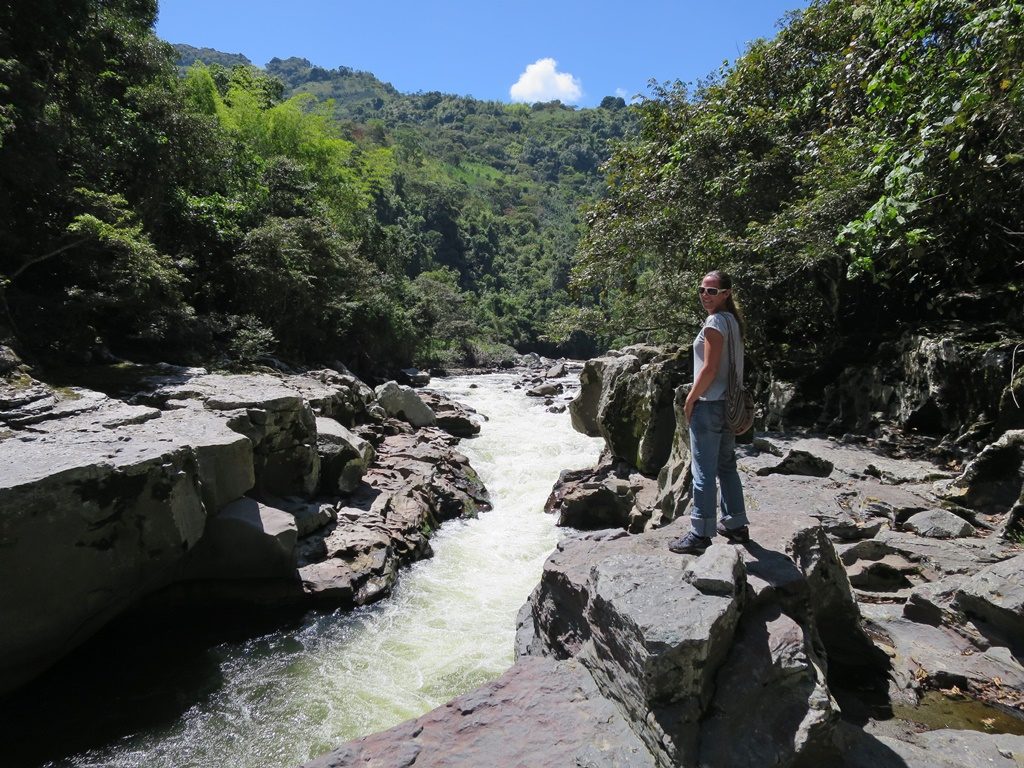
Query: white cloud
{"points": [[620, 92], [541, 81]]}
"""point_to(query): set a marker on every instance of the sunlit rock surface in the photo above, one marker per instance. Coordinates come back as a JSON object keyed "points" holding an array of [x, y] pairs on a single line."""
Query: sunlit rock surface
{"points": [[203, 488]]}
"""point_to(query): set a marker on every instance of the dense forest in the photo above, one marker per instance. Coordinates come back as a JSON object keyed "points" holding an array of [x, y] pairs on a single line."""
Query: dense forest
{"points": [[183, 204], [861, 169], [858, 174]]}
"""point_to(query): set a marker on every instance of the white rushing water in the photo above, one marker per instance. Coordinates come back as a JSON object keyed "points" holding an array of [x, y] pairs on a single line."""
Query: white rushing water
{"points": [[449, 626]]}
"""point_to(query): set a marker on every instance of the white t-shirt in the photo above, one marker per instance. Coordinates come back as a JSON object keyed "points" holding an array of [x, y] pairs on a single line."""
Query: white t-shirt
{"points": [[721, 322]]}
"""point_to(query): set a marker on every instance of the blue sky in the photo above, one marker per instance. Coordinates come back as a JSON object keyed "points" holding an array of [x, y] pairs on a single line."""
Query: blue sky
{"points": [[527, 50]]}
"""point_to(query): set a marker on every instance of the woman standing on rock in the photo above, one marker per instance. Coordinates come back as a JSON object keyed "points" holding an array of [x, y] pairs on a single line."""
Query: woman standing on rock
{"points": [[712, 442]]}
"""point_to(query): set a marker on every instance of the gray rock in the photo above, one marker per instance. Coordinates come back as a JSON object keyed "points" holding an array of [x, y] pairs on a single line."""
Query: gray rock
{"points": [[942, 557], [798, 462], [540, 713], [627, 399], [636, 416], [719, 571], [944, 748], [773, 685], [47, 410], [414, 377], [271, 410], [603, 497], [675, 479], [310, 516], [556, 371], [130, 500], [927, 656], [93, 519], [656, 644], [545, 390], [334, 394], [938, 380], [9, 360], [244, 540], [995, 595], [633, 613], [454, 418], [994, 480], [932, 603], [403, 403], [939, 524], [283, 435], [344, 457], [531, 360], [584, 408]]}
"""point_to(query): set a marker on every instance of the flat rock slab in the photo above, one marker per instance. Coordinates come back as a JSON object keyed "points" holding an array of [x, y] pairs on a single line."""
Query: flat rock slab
{"points": [[93, 517], [330, 393], [996, 595], [932, 749], [541, 713], [858, 460], [73, 409], [938, 657], [939, 524]]}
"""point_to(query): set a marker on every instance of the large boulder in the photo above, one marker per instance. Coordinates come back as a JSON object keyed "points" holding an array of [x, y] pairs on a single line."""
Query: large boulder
{"points": [[541, 712], [454, 418], [675, 479], [272, 411], [97, 508], [994, 480], [673, 640], [627, 399], [344, 457], [612, 495], [946, 380], [403, 403]]}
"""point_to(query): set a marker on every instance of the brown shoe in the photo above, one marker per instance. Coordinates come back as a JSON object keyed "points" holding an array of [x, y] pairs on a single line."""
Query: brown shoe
{"points": [[739, 535]]}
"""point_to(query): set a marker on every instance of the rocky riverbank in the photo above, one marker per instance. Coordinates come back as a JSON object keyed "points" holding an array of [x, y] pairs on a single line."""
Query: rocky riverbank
{"points": [[876, 585], [202, 488]]}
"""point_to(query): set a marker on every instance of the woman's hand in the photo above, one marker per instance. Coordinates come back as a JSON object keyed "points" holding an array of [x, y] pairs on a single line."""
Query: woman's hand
{"points": [[688, 406]]}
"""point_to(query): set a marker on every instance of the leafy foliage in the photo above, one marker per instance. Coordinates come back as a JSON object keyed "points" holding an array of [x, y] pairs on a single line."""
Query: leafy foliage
{"points": [[219, 209], [847, 172]]}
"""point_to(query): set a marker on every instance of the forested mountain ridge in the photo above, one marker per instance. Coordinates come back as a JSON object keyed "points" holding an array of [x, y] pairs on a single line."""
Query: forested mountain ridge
{"points": [[496, 187], [224, 212]]}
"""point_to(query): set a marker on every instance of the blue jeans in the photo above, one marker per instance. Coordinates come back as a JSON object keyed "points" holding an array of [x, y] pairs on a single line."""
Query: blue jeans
{"points": [[713, 456]]}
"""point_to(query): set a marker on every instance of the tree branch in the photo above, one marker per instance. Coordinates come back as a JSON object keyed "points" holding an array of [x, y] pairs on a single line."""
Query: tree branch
{"points": [[43, 257]]}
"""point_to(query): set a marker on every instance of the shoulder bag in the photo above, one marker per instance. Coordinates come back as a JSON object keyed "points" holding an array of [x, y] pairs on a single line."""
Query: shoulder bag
{"points": [[739, 403]]}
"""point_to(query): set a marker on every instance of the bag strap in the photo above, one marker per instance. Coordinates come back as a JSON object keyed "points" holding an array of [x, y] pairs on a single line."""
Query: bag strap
{"points": [[729, 321]]}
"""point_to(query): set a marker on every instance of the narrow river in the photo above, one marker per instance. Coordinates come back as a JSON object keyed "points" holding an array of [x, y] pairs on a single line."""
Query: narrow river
{"points": [[284, 697]]}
